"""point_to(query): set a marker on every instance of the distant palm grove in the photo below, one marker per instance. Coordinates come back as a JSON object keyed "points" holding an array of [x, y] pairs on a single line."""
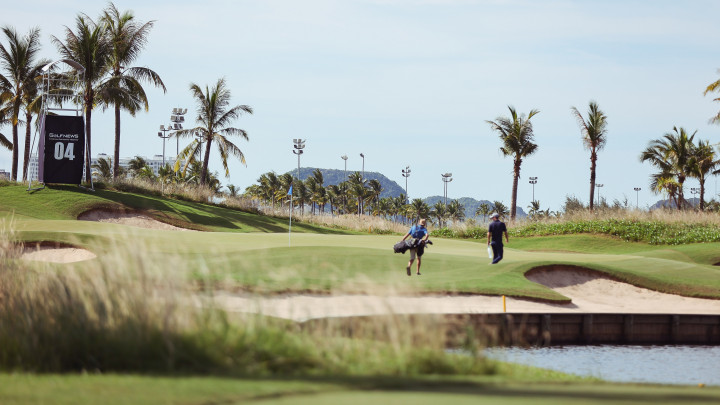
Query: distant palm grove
{"points": [[108, 46]]}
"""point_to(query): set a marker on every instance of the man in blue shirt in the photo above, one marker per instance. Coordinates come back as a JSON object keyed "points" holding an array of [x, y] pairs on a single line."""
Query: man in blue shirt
{"points": [[494, 237], [420, 235]]}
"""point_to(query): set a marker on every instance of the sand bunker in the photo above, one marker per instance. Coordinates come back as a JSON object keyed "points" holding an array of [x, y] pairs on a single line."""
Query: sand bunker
{"points": [[599, 293], [590, 293], [56, 254], [127, 218]]}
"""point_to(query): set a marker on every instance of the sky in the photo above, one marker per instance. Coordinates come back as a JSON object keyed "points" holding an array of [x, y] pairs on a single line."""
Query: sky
{"points": [[414, 82]]}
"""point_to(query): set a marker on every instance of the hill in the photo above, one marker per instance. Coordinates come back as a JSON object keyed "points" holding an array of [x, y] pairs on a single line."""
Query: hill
{"points": [[694, 202], [334, 176], [471, 205]]}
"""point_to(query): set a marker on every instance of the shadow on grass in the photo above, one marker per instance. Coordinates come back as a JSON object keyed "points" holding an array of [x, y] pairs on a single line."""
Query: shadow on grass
{"points": [[452, 386], [582, 391]]}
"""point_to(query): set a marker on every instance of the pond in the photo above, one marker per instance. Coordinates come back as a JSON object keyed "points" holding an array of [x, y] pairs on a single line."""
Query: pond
{"points": [[632, 364]]}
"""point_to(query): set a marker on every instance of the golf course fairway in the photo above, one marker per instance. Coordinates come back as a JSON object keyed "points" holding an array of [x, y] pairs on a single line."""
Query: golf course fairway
{"points": [[113, 295]]}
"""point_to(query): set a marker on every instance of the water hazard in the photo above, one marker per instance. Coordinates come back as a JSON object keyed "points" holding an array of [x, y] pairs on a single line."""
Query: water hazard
{"points": [[632, 364]]}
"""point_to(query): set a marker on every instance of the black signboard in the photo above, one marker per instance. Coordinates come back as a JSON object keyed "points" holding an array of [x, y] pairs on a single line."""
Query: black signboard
{"points": [[64, 149]]}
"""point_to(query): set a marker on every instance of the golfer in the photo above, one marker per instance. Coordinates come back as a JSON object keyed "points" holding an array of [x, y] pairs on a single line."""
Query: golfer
{"points": [[494, 237], [420, 235]]}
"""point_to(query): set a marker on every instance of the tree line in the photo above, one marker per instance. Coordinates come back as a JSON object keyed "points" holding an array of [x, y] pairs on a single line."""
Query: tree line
{"points": [[356, 195], [107, 47], [676, 155]]}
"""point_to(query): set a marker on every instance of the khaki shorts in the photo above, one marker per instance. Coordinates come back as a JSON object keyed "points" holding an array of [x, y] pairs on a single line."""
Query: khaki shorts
{"points": [[413, 253]]}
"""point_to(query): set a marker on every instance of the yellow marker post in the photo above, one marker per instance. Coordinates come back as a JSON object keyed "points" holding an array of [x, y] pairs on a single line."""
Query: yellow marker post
{"points": [[504, 307]]}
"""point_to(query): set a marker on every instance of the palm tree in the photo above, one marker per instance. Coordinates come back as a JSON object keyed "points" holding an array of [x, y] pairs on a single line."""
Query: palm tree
{"points": [[714, 87], [418, 209], [4, 142], [704, 162], [284, 183], [17, 76], [314, 184], [399, 203], [301, 195], [165, 174], [103, 168], [483, 209], [500, 208], [344, 193], [665, 182], [232, 190], [146, 173], [516, 133], [594, 131], [136, 164], [374, 190], [124, 89], [32, 102], [672, 154], [333, 195], [91, 48], [384, 207], [214, 117], [356, 184], [439, 211], [533, 208], [269, 184], [456, 211]]}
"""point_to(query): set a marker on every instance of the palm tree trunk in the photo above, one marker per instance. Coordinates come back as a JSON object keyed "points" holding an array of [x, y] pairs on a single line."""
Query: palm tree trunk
{"points": [[681, 196], [516, 177], [116, 155], [206, 159], [702, 195], [26, 156], [16, 146], [88, 137], [13, 168], [593, 166]]}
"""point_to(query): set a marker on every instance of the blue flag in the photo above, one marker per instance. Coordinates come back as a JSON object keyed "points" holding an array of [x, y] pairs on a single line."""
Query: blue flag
{"points": [[290, 190]]}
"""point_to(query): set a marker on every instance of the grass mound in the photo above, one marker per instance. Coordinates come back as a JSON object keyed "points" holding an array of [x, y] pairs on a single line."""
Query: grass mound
{"points": [[60, 202]]}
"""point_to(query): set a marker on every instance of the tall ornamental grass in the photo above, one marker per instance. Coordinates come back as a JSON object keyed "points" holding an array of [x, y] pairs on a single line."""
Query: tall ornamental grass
{"points": [[129, 311]]}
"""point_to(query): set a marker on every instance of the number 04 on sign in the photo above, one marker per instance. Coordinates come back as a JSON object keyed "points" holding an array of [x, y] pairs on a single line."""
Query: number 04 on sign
{"points": [[62, 148]]}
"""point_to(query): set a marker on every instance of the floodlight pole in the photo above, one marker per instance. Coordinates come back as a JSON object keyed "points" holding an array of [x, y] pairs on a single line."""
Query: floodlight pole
{"points": [[345, 158], [178, 117], [533, 181], [599, 186], [695, 191], [164, 135], [637, 198], [406, 173], [362, 155], [299, 145], [446, 178]]}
